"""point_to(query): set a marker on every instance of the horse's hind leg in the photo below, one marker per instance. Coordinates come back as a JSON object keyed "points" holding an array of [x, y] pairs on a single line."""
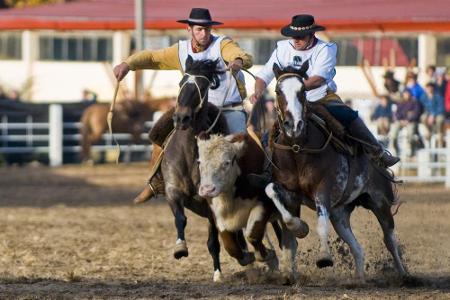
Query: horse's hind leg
{"points": [[382, 211], [340, 218], [214, 250]]}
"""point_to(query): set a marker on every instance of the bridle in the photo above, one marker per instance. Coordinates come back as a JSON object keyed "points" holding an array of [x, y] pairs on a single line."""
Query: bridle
{"points": [[280, 114], [192, 79], [294, 147]]}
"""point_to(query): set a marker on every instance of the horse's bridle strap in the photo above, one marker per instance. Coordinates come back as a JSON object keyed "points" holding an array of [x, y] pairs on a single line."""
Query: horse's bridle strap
{"points": [[202, 97]]}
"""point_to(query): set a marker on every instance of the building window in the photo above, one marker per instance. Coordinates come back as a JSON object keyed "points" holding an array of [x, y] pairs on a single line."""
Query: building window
{"points": [[443, 52], [75, 48], [378, 51], [10, 46]]}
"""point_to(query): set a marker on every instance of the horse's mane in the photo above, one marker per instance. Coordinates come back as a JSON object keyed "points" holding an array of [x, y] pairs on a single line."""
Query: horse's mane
{"points": [[291, 69], [207, 68]]}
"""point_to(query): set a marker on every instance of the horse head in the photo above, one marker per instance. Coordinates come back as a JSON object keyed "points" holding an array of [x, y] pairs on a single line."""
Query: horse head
{"points": [[291, 99], [200, 76]]}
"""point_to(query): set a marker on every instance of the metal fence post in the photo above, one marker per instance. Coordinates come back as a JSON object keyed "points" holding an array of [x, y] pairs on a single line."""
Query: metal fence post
{"points": [[55, 132]]}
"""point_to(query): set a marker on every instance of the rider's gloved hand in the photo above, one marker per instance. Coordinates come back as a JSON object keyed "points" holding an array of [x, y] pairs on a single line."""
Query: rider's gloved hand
{"points": [[235, 65], [121, 70]]}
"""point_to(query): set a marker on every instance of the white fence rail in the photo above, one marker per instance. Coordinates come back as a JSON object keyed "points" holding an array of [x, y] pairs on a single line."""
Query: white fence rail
{"points": [[430, 165], [51, 138]]}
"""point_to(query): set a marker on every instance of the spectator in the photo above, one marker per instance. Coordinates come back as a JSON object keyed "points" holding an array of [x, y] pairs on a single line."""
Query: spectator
{"points": [[3, 95], [447, 98], [89, 96], [407, 116], [392, 86], [431, 73], [441, 81], [433, 115], [14, 95], [383, 115], [413, 86]]}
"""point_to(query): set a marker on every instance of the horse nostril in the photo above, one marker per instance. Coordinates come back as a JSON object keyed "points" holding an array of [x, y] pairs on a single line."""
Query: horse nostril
{"points": [[287, 124]]}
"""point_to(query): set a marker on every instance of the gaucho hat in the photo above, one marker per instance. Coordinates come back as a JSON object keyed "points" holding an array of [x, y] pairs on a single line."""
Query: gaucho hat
{"points": [[199, 16], [301, 26]]}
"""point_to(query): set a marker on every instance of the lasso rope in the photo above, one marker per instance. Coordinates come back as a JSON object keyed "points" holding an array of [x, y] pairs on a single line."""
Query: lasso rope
{"points": [[109, 121]]}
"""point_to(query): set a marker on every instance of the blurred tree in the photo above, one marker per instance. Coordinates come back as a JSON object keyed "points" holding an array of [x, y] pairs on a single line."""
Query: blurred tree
{"points": [[25, 3]]}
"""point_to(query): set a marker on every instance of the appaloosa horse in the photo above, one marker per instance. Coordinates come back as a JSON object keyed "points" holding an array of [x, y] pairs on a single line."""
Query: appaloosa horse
{"points": [[312, 172], [192, 115]]}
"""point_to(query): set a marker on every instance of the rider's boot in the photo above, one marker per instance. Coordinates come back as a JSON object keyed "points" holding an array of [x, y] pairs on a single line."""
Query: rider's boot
{"points": [[376, 151], [155, 183]]}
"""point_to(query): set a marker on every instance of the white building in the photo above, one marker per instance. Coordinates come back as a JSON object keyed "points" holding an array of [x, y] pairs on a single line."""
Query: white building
{"points": [[53, 52]]}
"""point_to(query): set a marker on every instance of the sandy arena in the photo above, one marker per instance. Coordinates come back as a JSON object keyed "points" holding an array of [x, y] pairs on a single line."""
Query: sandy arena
{"points": [[73, 232]]}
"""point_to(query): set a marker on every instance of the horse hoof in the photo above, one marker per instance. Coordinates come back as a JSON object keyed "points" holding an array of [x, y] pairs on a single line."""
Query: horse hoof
{"points": [[270, 255], [288, 279], [217, 276], [180, 250], [247, 259], [299, 228], [324, 262]]}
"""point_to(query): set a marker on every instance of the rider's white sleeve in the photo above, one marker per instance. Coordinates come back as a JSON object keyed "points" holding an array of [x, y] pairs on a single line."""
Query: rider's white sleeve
{"points": [[266, 73]]}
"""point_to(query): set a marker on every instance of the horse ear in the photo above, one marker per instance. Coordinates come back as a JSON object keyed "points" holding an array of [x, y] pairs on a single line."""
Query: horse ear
{"points": [[189, 62], [276, 70], [303, 69]]}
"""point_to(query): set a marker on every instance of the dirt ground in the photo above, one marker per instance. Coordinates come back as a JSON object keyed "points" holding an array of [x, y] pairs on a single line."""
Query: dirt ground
{"points": [[73, 232]]}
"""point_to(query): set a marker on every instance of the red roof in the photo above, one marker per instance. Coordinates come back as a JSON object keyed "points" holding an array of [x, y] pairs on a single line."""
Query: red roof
{"points": [[339, 15]]}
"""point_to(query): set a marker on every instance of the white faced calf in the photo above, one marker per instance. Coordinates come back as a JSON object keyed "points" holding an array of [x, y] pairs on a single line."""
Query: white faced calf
{"points": [[234, 204]]}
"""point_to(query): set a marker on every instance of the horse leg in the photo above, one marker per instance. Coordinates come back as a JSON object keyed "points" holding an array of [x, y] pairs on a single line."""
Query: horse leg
{"points": [[276, 193], [288, 266], [382, 211], [233, 246], [340, 219], [176, 199], [323, 229], [214, 250]]}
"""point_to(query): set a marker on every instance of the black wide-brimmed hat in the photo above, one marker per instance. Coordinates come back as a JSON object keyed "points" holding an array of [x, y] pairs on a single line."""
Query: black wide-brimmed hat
{"points": [[200, 16], [301, 26]]}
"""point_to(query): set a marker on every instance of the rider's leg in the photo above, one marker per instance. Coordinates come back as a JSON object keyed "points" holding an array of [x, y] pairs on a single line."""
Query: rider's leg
{"points": [[155, 183], [158, 135], [236, 121], [355, 125]]}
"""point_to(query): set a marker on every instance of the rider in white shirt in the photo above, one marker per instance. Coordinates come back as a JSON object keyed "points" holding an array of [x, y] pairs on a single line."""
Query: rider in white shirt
{"points": [[303, 46]]}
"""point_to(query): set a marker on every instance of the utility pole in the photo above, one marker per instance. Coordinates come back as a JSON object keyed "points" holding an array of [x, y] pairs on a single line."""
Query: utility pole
{"points": [[139, 16]]}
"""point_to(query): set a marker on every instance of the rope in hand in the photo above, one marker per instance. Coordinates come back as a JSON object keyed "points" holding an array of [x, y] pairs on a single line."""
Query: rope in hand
{"points": [[109, 121]]}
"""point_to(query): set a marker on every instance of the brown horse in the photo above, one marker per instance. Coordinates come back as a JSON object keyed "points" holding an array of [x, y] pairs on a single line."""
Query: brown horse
{"points": [[192, 115], [129, 117], [312, 172]]}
